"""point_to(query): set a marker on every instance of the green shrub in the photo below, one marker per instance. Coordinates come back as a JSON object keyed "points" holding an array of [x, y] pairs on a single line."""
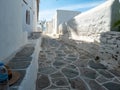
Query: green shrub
{"points": [[116, 24]]}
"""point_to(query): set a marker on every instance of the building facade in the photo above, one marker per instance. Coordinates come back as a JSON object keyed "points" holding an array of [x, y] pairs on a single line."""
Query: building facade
{"points": [[30, 13], [17, 19], [49, 27], [62, 16]]}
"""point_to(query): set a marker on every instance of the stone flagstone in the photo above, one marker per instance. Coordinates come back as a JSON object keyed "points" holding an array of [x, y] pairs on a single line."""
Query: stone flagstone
{"points": [[73, 67], [115, 72], [57, 75], [47, 70], [102, 79], [59, 64], [96, 65], [42, 82], [89, 73], [78, 84], [63, 67], [105, 73], [94, 85], [60, 82], [69, 73], [112, 86]]}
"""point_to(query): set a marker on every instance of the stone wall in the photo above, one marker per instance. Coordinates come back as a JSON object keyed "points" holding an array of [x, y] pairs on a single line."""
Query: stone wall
{"points": [[109, 51], [49, 27], [91, 31], [62, 16], [95, 21]]}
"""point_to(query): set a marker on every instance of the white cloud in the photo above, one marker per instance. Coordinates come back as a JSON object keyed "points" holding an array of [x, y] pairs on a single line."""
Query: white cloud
{"points": [[49, 13]]}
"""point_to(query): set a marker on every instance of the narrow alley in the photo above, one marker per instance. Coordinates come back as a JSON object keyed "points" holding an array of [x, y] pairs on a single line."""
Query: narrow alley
{"points": [[60, 44], [62, 67]]}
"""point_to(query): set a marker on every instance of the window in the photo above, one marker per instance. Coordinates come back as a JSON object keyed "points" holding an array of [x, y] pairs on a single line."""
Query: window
{"points": [[27, 17]]}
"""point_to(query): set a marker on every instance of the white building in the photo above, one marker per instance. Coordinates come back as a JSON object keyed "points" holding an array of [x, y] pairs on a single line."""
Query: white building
{"points": [[29, 15], [49, 27], [17, 18], [62, 16]]}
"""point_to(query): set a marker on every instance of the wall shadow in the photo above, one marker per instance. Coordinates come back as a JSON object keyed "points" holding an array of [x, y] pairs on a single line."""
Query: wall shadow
{"points": [[72, 25]]}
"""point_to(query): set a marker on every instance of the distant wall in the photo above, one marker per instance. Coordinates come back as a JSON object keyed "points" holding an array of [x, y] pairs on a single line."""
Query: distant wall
{"points": [[65, 15], [61, 17], [49, 27], [12, 37]]}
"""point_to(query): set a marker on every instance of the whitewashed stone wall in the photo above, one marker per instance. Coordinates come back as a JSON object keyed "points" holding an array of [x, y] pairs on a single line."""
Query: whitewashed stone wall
{"points": [[62, 16], [109, 51], [35, 18], [89, 25], [91, 31], [49, 27], [95, 21]]}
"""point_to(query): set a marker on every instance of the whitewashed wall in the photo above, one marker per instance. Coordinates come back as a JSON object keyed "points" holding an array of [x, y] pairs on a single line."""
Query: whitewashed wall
{"points": [[95, 21], [63, 16], [35, 15], [26, 27], [54, 23], [91, 31], [12, 37], [32, 7], [49, 27]]}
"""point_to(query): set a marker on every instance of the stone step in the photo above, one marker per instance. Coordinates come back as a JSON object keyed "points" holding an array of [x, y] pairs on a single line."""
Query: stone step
{"points": [[25, 62]]}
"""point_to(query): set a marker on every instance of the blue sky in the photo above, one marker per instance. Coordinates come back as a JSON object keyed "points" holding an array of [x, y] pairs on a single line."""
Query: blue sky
{"points": [[49, 7]]}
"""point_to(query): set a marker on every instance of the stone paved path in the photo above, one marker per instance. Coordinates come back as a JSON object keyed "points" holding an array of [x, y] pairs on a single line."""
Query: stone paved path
{"points": [[61, 67]]}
